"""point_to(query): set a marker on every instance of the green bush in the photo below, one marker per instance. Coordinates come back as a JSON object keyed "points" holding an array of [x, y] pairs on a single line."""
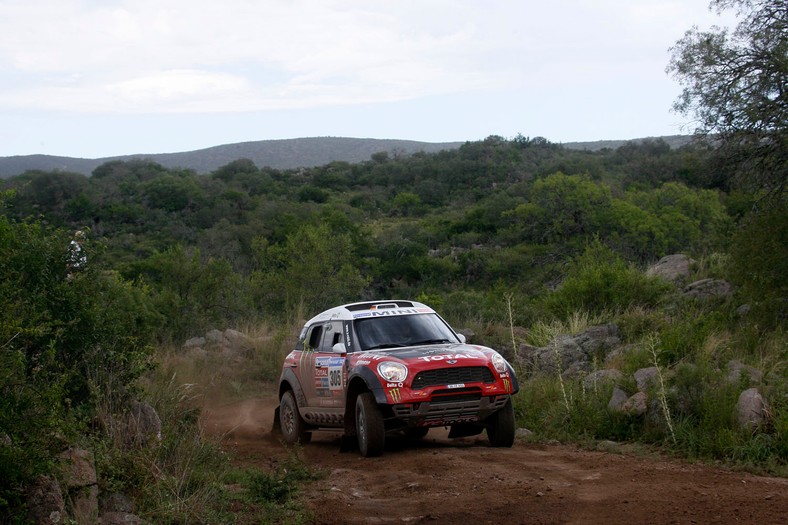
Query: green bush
{"points": [[598, 280], [66, 334]]}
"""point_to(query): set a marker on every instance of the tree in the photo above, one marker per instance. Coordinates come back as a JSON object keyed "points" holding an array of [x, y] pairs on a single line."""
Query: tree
{"points": [[736, 86]]}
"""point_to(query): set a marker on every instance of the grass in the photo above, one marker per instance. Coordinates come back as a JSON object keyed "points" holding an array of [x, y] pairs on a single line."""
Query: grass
{"points": [[187, 477]]}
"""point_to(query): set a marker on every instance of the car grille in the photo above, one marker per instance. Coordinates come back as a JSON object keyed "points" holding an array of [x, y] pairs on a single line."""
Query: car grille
{"points": [[451, 376]]}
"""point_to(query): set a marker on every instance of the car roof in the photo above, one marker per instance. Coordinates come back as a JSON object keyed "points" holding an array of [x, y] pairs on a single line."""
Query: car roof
{"points": [[348, 312]]}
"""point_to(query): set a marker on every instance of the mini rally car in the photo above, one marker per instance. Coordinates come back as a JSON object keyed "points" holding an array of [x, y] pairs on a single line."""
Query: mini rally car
{"points": [[377, 368]]}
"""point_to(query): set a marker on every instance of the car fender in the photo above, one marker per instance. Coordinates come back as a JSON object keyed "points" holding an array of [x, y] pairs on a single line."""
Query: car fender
{"points": [[372, 382], [289, 381], [513, 377]]}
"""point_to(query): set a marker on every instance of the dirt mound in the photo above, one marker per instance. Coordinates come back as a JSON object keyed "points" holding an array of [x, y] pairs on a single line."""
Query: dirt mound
{"points": [[437, 480]]}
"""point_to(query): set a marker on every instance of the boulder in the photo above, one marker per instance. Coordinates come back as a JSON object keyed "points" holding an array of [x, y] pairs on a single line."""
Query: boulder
{"points": [[143, 425], [574, 355], [736, 369], [646, 378], [601, 377], [194, 342], [751, 409], [45, 504], [216, 338], [706, 289], [636, 405], [617, 400], [77, 468], [78, 474], [115, 502], [671, 268]]}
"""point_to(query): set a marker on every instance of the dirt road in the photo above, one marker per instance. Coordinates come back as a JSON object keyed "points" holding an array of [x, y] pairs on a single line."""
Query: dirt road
{"points": [[438, 480]]}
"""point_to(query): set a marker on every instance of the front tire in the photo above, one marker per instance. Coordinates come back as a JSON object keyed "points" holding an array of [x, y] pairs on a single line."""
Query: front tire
{"points": [[293, 426], [370, 428], [500, 426]]}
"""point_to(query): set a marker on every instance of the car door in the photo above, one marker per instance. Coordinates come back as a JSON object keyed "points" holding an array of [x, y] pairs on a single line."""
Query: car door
{"points": [[329, 367], [306, 364]]}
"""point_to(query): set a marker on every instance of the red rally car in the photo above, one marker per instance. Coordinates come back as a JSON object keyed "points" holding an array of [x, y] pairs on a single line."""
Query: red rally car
{"points": [[376, 368]]}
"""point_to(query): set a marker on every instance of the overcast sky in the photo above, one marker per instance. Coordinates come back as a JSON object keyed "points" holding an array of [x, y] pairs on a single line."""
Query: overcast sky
{"points": [[95, 78]]}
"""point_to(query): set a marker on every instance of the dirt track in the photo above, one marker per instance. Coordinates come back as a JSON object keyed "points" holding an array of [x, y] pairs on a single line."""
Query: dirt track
{"points": [[438, 480]]}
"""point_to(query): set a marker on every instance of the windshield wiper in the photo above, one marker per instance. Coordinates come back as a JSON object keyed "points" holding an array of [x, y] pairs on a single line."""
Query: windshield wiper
{"points": [[431, 342], [386, 345]]}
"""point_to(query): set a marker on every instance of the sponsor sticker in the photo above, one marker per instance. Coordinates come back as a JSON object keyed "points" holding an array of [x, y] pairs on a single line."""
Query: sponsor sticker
{"points": [[395, 394]]}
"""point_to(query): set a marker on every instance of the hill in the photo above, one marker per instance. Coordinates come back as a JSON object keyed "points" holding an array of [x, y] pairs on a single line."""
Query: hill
{"points": [[278, 154]]}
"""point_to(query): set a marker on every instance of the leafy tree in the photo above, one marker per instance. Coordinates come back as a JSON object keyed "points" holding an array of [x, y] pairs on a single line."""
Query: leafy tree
{"points": [[736, 86], [66, 338], [314, 269]]}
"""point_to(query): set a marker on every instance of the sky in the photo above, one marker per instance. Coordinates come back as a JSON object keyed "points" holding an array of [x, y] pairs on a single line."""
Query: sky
{"points": [[98, 78]]}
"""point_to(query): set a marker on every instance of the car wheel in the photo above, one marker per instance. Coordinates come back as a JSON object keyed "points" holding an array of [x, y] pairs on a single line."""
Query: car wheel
{"points": [[369, 426], [293, 426], [500, 427]]}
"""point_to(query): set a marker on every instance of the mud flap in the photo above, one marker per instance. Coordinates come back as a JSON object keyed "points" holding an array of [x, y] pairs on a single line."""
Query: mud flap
{"points": [[348, 443], [277, 426]]}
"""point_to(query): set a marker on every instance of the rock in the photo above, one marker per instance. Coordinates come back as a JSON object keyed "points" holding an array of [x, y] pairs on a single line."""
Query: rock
{"points": [[636, 405], [78, 474], [646, 378], [216, 338], [617, 400], [45, 504], [115, 502], [743, 310], [77, 468], [736, 369], [751, 409], [671, 268], [597, 339], [708, 289], [523, 433], [601, 377], [571, 355], [194, 342], [144, 424], [238, 342]]}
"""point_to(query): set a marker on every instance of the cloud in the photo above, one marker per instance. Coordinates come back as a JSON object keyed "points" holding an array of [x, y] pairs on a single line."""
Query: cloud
{"points": [[201, 56]]}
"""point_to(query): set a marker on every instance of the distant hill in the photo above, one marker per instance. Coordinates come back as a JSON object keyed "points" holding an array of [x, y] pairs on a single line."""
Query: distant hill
{"points": [[279, 154]]}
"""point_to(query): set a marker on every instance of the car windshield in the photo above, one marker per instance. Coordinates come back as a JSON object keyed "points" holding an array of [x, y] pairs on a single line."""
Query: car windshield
{"points": [[402, 330]]}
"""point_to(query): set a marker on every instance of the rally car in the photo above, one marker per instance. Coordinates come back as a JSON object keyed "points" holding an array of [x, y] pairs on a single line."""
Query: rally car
{"points": [[372, 369]]}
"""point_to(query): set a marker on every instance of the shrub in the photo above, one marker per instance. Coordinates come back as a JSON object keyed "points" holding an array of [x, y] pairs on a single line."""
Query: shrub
{"points": [[599, 280]]}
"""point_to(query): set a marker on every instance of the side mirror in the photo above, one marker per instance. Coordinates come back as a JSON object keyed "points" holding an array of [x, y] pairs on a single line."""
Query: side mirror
{"points": [[461, 338], [339, 348]]}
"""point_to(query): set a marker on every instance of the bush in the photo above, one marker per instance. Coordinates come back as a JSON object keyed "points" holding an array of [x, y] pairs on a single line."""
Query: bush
{"points": [[598, 280], [66, 334]]}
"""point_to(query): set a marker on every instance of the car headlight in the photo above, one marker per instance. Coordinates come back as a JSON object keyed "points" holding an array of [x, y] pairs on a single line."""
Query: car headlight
{"points": [[393, 372], [499, 362]]}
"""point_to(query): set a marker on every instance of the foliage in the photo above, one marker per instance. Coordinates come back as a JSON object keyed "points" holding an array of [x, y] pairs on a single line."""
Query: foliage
{"points": [[759, 263], [66, 332], [599, 280], [311, 271], [734, 85]]}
